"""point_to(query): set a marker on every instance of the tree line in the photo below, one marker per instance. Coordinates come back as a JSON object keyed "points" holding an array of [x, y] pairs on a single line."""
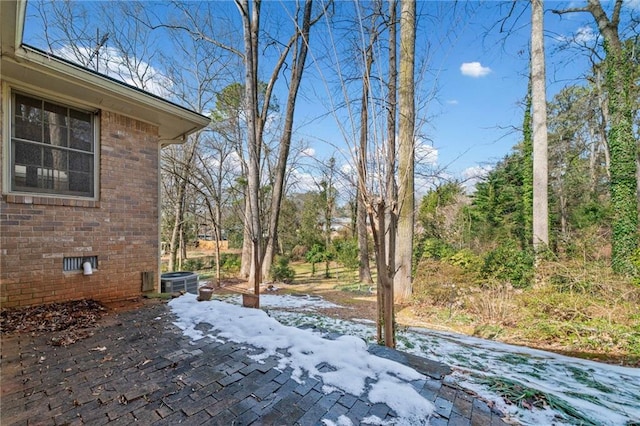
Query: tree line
{"points": [[243, 65]]}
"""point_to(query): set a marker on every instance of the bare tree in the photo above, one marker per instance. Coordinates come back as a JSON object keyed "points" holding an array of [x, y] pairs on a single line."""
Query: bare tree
{"points": [[364, 270], [406, 152], [539, 130], [299, 43]]}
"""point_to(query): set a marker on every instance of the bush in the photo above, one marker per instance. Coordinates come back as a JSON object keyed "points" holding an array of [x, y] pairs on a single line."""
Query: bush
{"points": [[194, 264], [281, 271], [230, 262], [507, 263], [437, 249], [466, 259], [347, 253]]}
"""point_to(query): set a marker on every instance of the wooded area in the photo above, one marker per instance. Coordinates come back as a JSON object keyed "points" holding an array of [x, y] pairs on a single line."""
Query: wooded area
{"points": [[566, 196]]}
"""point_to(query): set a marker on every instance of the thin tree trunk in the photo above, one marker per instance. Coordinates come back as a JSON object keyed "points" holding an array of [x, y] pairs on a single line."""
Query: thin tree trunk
{"points": [[363, 235], [299, 60], [406, 152], [364, 267], [246, 265], [602, 123], [173, 244], [385, 286]]}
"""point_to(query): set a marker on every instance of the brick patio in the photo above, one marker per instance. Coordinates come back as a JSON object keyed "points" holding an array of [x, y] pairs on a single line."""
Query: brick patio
{"points": [[139, 367]]}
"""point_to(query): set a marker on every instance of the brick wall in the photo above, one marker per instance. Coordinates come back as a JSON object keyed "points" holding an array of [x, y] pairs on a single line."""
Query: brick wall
{"points": [[121, 228]]}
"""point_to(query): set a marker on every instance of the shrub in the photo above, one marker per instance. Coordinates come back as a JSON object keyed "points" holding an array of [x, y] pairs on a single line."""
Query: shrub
{"points": [[194, 264], [230, 262], [507, 263], [347, 253], [281, 271], [437, 249], [466, 259]]}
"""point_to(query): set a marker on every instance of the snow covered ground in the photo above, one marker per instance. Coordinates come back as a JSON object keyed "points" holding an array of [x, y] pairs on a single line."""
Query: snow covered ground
{"points": [[598, 393]]}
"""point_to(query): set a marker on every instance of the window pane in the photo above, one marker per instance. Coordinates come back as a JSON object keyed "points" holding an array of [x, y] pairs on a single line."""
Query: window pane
{"points": [[81, 131], [81, 182], [55, 124], [28, 118], [28, 160], [55, 159], [79, 162], [28, 154], [55, 170]]}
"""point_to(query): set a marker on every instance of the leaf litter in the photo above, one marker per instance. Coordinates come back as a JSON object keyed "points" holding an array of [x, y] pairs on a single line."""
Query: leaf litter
{"points": [[71, 321]]}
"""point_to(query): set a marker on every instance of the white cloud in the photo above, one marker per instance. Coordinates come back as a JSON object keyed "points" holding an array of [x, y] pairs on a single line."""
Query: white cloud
{"points": [[302, 181], [452, 102], [474, 69], [112, 64], [347, 169], [308, 152], [585, 35], [472, 175], [426, 154]]}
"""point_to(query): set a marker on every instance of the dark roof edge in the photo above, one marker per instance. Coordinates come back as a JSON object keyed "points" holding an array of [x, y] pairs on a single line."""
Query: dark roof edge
{"points": [[108, 78]]}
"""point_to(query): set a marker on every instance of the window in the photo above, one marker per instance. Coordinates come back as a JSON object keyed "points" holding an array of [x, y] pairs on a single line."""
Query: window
{"points": [[52, 148]]}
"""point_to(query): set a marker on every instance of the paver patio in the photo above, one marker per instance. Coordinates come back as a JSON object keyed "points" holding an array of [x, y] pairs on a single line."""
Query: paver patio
{"points": [[139, 367]]}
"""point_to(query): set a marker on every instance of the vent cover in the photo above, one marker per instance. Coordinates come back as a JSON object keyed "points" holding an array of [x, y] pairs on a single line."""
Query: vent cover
{"points": [[70, 264]]}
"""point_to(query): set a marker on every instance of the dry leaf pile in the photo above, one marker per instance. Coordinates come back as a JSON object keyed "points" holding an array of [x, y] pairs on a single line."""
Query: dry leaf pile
{"points": [[72, 318]]}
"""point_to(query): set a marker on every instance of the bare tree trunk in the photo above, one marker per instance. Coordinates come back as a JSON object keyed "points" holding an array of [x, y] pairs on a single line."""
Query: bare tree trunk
{"points": [[364, 268], [181, 171], [386, 313], [564, 213], [299, 60], [363, 236], [539, 130], [174, 243], [406, 152], [251, 23], [183, 249], [602, 123], [385, 274], [246, 263]]}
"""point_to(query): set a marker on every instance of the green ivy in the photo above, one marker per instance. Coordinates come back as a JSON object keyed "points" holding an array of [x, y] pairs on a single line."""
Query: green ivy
{"points": [[623, 151]]}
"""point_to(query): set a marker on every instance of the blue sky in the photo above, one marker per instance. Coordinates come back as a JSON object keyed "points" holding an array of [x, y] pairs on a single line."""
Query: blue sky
{"points": [[480, 77], [476, 77]]}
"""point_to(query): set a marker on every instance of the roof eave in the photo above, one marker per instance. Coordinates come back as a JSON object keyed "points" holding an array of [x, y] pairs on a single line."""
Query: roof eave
{"points": [[26, 64]]}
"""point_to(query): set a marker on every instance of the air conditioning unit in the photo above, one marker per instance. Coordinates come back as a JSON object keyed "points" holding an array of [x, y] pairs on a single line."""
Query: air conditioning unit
{"points": [[174, 282]]}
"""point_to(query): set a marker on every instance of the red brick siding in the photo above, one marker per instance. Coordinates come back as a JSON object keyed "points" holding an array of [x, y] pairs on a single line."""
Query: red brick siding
{"points": [[121, 228]]}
